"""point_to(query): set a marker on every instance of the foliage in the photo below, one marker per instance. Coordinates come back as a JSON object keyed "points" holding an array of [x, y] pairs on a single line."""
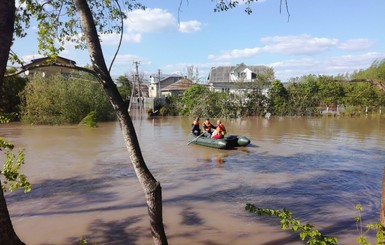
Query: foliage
{"points": [[194, 100], [224, 105], [198, 100], [306, 232], [375, 72], [58, 22], [171, 106], [55, 100], [7, 117], [362, 239], [329, 92], [222, 6], [314, 237], [124, 87], [304, 96], [303, 99], [249, 100], [10, 100], [11, 169], [89, 120], [278, 99]]}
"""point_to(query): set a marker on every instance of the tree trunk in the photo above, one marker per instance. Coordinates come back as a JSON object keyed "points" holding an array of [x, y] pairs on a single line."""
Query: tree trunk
{"points": [[7, 234], [382, 209], [7, 22], [149, 184]]}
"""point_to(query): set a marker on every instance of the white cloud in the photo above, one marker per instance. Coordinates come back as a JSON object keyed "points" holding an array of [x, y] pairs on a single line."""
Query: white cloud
{"points": [[129, 59], [242, 2], [294, 45], [113, 39], [330, 66], [149, 20], [356, 44], [157, 20], [298, 45], [28, 58], [126, 59], [190, 26], [235, 54]]}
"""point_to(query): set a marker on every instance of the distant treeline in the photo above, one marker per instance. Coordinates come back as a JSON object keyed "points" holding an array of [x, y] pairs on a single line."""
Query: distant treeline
{"points": [[351, 95], [60, 100]]}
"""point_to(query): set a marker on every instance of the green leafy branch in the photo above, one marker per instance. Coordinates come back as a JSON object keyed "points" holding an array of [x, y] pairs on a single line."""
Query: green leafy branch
{"points": [[11, 169], [7, 117], [306, 232], [363, 239]]}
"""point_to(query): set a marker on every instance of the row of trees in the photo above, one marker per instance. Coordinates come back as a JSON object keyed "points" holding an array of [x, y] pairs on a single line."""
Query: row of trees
{"points": [[359, 93], [57, 100]]}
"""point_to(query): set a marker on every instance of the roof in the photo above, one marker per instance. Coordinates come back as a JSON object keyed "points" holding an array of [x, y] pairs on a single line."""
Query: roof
{"points": [[57, 59], [222, 73], [48, 66], [179, 85], [164, 76]]}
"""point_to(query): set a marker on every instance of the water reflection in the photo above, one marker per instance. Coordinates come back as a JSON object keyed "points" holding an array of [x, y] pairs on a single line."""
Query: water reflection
{"points": [[84, 185]]}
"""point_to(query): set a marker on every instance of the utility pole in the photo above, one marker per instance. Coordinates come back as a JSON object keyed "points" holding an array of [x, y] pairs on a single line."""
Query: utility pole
{"points": [[159, 83], [140, 98], [137, 76]]}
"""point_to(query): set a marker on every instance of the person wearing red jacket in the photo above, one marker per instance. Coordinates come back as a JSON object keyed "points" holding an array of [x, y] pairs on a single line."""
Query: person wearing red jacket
{"points": [[220, 131]]}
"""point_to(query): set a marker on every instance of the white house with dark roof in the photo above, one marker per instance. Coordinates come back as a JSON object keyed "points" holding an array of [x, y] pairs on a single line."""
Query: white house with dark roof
{"points": [[160, 81], [232, 79], [50, 66]]}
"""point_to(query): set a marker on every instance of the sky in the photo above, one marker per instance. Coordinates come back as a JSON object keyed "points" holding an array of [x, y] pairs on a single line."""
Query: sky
{"points": [[328, 37]]}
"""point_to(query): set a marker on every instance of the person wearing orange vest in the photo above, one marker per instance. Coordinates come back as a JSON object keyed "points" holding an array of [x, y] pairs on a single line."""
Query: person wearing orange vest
{"points": [[208, 128], [196, 130], [220, 131]]}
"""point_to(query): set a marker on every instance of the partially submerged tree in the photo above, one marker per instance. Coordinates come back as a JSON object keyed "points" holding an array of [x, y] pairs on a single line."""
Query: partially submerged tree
{"points": [[149, 184], [11, 179], [81, 28]]}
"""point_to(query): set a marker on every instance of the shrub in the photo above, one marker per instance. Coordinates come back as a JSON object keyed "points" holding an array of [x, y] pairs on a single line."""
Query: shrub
{"points": [[55, 100]]}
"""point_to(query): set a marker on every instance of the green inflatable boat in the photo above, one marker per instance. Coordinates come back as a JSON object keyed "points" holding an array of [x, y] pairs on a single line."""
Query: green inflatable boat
{"points": [[228, 142]]}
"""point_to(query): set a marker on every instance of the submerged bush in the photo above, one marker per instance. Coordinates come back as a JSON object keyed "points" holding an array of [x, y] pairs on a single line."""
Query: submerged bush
{"points": [[56, 100], [89, 120]]}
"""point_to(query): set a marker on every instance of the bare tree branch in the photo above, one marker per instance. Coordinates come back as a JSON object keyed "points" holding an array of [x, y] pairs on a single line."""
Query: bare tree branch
{"points": [[34, 67], [121, 37]]}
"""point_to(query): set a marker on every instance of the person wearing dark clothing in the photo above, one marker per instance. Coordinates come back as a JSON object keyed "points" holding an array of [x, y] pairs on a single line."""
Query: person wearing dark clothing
{"points": [[196, 130]]}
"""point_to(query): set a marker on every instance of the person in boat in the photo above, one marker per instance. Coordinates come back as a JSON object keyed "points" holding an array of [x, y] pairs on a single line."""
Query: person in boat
{"points": [[196, 130], [208, 128], [220, 131]]}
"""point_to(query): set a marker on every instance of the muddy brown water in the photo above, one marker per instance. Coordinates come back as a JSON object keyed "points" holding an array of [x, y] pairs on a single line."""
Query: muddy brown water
{"points": [[84, 185]]}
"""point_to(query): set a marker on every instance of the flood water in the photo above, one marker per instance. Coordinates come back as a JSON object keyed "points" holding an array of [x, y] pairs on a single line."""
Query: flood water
{"points": [[83, 184]]}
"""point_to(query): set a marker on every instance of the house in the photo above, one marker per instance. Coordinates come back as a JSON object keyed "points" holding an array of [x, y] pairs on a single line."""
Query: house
{"points": [[160, 81], [232, 79], [49, 66], [177, 88]]}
